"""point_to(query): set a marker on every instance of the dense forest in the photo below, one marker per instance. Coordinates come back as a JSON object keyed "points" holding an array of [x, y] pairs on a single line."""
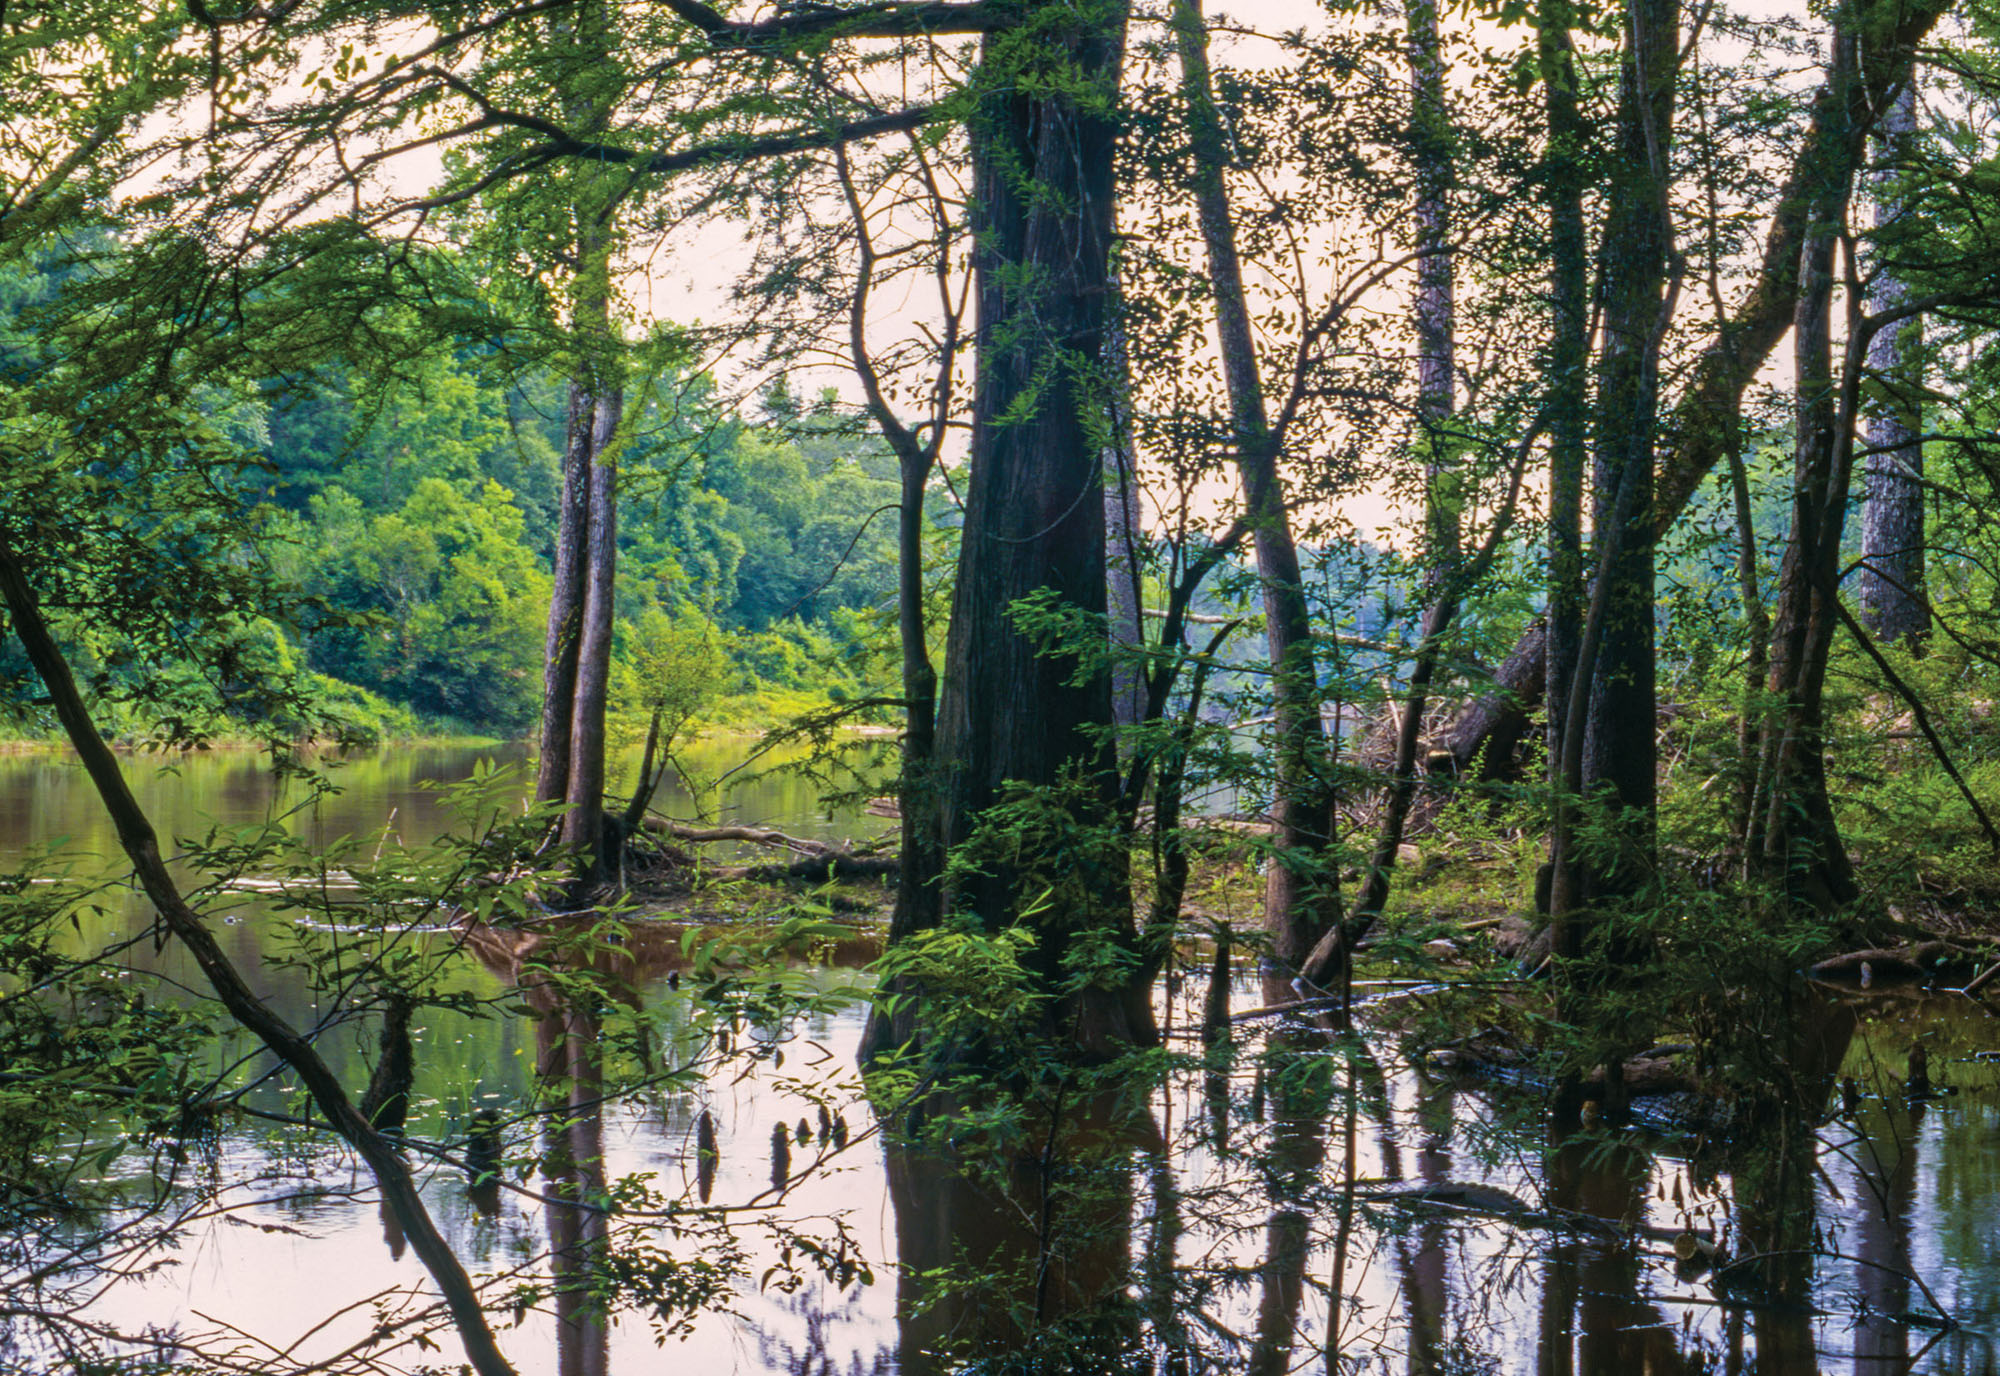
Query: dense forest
{"points": [[1413, 587]]}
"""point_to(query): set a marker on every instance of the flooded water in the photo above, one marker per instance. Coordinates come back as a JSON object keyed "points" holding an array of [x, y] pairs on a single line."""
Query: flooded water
{"points": [[1207, 1229]]}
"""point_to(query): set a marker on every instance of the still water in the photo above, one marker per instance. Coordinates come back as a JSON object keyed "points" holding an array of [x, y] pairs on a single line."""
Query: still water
{"points": [[1223, 1216]]}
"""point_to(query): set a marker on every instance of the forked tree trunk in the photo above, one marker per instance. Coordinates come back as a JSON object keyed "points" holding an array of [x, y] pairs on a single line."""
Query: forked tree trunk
{"points": [[1301, 898], [1608, 756], [1890, 583], [577, 647]]}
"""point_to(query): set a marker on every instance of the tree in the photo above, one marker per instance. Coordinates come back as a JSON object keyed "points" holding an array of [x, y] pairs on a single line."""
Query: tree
{"points": [[1891, 579], [1016, 711], [1301, 895]]}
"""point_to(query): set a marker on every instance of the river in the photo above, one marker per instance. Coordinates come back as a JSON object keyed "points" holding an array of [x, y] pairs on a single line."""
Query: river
{"points": [[1222, 1215]]}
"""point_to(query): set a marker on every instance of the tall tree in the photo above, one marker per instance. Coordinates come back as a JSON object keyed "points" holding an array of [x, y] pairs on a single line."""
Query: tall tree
{"points": [[1569, 359], [1301, 900], [1794, 838], [1702, 420], [1890, 583], [1015, 709], [1609, 752]]}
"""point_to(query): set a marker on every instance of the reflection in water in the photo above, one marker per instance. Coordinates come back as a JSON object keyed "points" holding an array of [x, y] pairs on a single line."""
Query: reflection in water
{"points": [[1208, 1245], [1030, 1250]]}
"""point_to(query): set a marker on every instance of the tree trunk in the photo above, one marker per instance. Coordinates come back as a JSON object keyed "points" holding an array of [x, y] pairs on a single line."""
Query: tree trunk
{"points": [[576, 677], [1014, 709], [1618, 744], [583, 822], [1794, 839], [1430, 140], [1890, 583], [1123, 537], [1301, 901], [1569, 356]]}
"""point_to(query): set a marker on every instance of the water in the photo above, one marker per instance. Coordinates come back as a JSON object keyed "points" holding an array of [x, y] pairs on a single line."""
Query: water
{"points": [[1212, 1232]]}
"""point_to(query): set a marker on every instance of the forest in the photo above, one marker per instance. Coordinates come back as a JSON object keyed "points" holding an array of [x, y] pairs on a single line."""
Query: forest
{"points": [[967, 686]]}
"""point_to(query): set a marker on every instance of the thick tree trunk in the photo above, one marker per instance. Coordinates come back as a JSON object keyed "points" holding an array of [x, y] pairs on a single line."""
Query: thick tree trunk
{"points": [[1794, 838], [1890, 583], [1014, 709], [1301, 901]]}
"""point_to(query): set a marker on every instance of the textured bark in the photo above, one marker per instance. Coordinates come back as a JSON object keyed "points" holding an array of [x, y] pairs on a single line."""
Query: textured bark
{"points": [[1014, 709], [566, 599], [141, 845], [1794, 840], [1300, 901], [1889, 586], [583, 822]]}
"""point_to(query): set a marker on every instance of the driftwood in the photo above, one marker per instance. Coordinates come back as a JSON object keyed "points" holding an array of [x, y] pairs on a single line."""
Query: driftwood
{"points": [[1904, 962], [817, 860]]}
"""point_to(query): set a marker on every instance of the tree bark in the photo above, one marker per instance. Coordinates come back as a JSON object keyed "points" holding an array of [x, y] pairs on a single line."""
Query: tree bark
{"points": [[1301, 902], [1615, 665], [1123, 537], [576, 677], [141, 845], [1015, 710], [1890, 583], [583, 822]]}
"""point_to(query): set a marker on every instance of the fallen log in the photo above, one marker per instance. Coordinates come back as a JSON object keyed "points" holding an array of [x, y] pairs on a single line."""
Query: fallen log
{"points": [[1903, 962], [818, 862]]}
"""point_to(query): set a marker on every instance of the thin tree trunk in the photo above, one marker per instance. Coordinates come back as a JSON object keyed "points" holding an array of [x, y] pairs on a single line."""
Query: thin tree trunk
{"points": [[1890, 583], [141, 845], [1569, 355], [1301, 902], [1794, 839], [576, 679], [1430, 136], [583, 823], [1123, 534], [919, 900], [566, 599]]}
